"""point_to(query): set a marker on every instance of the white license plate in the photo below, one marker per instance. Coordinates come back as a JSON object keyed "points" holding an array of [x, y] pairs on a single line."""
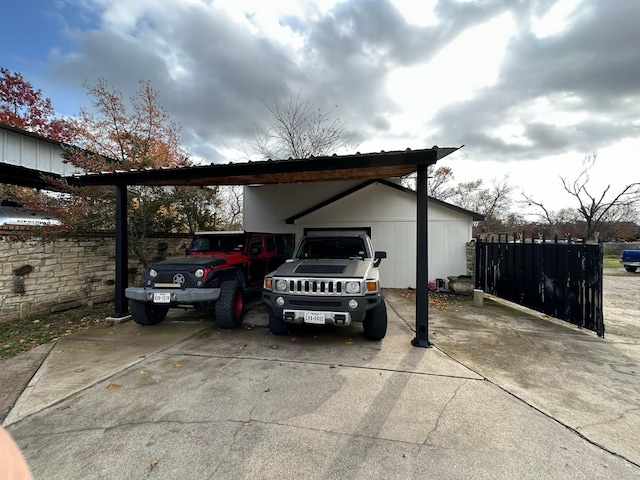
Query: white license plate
{"points": [[313, 317], [161, 297]]}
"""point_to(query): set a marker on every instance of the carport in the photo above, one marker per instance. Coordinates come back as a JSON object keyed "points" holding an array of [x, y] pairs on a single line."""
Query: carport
{"points": [[359, 166]]}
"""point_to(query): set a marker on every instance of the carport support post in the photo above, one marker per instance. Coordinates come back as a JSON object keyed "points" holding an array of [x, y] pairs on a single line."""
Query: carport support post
{"points": [[121, 306], [422, 263]]}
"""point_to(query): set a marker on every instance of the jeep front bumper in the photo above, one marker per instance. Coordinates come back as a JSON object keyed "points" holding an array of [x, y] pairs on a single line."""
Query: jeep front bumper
{"points": [[172, 296]]}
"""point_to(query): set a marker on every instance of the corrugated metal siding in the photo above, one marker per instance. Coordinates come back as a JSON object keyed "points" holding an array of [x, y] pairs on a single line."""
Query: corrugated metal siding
{"points": [[391, 215], [29, 152]]}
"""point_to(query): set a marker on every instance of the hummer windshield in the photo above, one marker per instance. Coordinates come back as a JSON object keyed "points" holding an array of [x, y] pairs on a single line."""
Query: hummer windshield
{"points": [[332, 248]]}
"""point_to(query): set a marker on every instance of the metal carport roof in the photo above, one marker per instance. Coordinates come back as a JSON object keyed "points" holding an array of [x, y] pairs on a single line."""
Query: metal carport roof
{"points": [[315, 169]]}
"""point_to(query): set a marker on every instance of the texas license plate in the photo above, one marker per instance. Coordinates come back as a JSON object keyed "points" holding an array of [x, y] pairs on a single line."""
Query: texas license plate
{"points": [[313, 317], [161, 297]]}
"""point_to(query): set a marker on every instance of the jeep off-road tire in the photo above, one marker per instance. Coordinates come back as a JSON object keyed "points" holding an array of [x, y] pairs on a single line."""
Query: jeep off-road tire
{"points": [[147, 314], [375, 322], [277, 325], [631, 269], [229, 306]]}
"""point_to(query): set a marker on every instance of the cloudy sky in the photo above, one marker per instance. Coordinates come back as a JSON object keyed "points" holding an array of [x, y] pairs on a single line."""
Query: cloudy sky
{"points": [[530, 87]]}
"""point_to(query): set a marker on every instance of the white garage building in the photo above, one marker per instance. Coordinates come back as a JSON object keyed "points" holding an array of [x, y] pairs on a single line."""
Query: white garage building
{"points": [[382, 208]]}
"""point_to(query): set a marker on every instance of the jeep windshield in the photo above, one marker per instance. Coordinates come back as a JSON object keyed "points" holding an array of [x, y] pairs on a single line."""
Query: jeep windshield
{"points": [[332, 248], [218, 243]]}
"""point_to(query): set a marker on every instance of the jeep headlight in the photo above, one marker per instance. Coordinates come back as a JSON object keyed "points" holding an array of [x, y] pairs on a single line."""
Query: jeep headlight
{"points": [[281, 285], [199, 273], [153, 273], [352, 287]]}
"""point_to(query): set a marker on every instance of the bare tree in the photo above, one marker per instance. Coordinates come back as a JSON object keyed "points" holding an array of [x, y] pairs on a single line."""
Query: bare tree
{"points": [[596, 209], [298, 130], [494, 201], [231, 207], [438, 182]]}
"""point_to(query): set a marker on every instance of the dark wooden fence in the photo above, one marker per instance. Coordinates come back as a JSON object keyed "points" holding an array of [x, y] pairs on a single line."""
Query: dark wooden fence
{"points": [[559, 278]]}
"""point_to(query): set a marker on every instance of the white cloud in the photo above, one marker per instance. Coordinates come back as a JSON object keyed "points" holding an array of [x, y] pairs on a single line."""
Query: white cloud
{"points": [[467, 64], [418, 12], [555, 20]]}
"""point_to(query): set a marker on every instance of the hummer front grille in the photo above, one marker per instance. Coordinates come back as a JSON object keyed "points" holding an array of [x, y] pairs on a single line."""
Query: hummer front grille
{"points": [[315, 286]]}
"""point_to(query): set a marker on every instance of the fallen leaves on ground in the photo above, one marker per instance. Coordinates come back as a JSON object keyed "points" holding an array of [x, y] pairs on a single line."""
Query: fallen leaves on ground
{"points": [[24, 334], [113, 386], [442, 301]]}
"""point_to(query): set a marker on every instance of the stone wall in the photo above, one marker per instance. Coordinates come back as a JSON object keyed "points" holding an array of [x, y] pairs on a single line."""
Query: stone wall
{"points": [[471, 258], [464, 284], [41, 277]]}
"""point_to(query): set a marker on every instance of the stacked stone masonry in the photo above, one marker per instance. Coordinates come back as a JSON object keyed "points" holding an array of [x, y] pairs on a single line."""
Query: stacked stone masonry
{"points": [[63, 274]]}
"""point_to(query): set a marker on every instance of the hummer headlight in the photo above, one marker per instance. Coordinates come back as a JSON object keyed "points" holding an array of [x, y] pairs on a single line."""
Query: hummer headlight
{"points": [[352, 287], [281, 285], [372, 286]]}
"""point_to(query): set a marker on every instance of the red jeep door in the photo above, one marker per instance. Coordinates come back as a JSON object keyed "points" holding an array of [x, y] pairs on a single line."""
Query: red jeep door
{"points": [[258, 257]]}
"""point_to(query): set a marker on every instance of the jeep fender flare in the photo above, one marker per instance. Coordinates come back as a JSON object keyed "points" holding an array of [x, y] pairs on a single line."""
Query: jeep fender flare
{"points": [[231, 273]]}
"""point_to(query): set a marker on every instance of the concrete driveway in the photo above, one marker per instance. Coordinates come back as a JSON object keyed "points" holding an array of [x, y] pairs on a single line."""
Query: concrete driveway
{"points": [[503, 394]]}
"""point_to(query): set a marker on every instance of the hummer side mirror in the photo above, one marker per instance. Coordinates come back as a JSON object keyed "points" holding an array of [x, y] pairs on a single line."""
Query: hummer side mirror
{"points": [[377, 258]]}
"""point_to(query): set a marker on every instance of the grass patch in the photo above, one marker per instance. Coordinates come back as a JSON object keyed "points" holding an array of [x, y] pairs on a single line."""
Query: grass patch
{"points": [[21, 335], [611, 261]]}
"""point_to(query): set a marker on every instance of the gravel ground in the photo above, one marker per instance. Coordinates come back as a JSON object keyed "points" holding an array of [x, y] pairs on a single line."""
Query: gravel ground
{"points": [[621, 302]]}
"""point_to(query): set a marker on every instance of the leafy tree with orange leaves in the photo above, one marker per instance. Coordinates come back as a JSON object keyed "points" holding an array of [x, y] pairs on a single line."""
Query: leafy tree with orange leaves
{"points": [[24, 107], [120, 139], [111, 136]]}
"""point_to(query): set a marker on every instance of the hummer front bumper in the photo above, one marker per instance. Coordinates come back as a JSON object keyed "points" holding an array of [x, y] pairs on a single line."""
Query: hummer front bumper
{"points": [[320, 310]]}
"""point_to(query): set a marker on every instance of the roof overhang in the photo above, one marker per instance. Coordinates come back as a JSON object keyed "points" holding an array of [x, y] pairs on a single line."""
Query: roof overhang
{"points": [[28, 177], [291, 220], [359, 166]]}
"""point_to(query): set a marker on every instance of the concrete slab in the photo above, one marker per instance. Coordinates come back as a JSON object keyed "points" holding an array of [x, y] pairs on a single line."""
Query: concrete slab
{"points": [[259, 419], [590, 384], [320, 404], [16, 373], [82, 359], [323, 345]]}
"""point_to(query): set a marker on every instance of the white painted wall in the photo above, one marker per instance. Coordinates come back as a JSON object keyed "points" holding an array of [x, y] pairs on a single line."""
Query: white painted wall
{"points": [[267, 206], [390, 213]]}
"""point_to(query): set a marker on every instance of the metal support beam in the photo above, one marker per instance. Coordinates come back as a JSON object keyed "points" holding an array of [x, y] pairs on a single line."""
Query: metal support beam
{"points": [[121, 305], [422, 262]]}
